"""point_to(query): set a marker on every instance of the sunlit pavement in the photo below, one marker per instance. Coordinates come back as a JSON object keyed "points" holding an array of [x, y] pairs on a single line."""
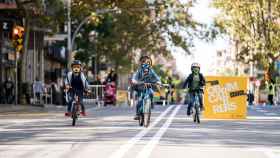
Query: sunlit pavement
{"points": [[110, 132]]}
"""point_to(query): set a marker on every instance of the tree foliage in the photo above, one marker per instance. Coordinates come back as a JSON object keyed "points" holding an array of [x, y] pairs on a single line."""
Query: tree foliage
{"points": [[253, 26], [139, 26]]}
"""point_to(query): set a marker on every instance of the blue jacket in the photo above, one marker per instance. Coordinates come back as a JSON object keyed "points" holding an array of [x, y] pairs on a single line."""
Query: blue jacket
{"points": [[152, 77]]}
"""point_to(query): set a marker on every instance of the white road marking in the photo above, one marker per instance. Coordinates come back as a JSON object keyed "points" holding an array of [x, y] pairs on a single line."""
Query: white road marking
{"points": [[124, 148], [270, 153], [147, 150], [263, 118], [264, 111], [69, 128], [271, 114]]}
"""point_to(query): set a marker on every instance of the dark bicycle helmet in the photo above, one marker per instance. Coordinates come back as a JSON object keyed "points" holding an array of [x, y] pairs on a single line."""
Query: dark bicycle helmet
{"points": [[76, 62], [146, 57]]}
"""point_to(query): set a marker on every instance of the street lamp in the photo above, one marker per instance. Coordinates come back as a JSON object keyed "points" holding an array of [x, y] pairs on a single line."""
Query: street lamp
{"points": [[92, 38], [71, 40], [69, 47], [86, 19]]}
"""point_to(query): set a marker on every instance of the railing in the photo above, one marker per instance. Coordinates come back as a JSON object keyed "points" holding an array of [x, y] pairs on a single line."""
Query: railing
{"points": [[96, 96], [43, 98]]}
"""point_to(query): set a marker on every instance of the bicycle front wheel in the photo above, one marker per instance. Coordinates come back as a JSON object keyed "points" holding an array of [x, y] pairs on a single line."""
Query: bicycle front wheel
{"points": [[74, 115], [147, 118]]}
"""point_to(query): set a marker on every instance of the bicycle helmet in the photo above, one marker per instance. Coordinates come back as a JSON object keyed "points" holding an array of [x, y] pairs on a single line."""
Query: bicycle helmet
{"points": [[74, 65], [76, 62], [144, 58], [195, 65]]}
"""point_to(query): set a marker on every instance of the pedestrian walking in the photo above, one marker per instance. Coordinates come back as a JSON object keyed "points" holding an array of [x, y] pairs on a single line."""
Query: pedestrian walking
{"points": [[38, 89]]}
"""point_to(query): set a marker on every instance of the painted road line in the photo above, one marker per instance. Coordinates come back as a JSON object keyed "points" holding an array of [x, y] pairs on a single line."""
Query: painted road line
{"points": [[147, 150], [124, 148], [264, 111], [263, 118], [270, 153], [70, 128], [271, 114]]}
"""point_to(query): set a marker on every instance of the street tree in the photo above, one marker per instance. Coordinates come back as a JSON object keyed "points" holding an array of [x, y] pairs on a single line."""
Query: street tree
{"points": [[254, 27], [139, 26]]}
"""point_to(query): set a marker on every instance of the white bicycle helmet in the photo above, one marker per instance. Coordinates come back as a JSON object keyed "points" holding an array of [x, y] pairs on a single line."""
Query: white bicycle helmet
{"points": [[195, 65]]}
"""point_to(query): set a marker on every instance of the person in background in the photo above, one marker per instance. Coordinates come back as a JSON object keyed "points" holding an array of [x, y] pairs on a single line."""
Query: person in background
{"points": [[9, 91], [112, 76], [38, 89], [250, 98], [2, 100], [271, 91]]}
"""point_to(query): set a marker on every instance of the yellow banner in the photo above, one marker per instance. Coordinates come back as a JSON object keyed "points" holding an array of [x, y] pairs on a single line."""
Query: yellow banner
{"points": [[225, 97]]}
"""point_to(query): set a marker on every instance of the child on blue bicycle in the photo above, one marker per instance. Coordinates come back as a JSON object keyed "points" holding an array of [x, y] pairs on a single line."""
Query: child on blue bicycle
{"points": [[194, 83], [144, 74]]}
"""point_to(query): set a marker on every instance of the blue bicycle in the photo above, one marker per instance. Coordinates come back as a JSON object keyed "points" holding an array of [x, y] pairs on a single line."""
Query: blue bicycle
{"points": [[145, 104], [145, 100]]}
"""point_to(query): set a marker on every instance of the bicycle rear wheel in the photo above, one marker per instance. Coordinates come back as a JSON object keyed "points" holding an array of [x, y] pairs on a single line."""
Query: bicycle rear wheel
{"points": [[197, 114], [141, 119]]}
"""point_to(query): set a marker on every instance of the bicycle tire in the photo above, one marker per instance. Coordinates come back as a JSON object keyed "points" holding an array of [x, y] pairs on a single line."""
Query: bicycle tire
{"points": [[197, 115], [141, 119], [194, 114], [147, 118], [74, 118], [74, 115]]}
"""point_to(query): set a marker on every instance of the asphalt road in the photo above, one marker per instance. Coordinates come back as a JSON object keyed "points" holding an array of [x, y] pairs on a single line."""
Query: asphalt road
{"points": [[111, 132]]}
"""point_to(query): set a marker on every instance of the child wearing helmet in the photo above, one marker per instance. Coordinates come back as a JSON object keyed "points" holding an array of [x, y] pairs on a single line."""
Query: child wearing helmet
{"points": [[76, 82], [145, 73], [195, 83]]}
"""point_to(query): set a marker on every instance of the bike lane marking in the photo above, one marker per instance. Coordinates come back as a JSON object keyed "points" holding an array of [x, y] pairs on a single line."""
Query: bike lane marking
{"points": [[147, 150], [124, 148], [270, 153]]}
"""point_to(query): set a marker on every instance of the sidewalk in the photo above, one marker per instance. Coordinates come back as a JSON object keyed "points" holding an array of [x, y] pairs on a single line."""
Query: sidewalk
{"points": [[6, 108]]}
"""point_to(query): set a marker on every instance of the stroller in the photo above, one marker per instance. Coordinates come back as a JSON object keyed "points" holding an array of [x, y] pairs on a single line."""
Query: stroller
{"points": [[110, 91]]}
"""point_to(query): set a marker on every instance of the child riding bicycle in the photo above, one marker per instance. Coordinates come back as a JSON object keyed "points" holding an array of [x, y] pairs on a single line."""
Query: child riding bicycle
{"points": [[144, 74], [194, 84], [75, 84]]}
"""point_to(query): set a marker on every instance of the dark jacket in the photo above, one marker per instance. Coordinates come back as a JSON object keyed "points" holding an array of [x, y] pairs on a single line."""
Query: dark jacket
{"points": [[189, 80]]}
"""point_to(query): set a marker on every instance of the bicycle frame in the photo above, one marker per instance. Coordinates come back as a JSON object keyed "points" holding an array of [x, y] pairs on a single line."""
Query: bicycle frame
{"points": [[145, 101], [75, 109]]}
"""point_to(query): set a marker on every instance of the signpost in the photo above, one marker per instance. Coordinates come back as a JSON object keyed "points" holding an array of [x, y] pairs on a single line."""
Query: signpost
{"points": [[226, 97]]}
